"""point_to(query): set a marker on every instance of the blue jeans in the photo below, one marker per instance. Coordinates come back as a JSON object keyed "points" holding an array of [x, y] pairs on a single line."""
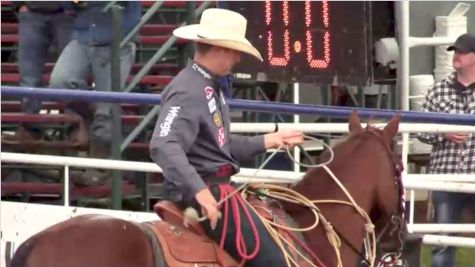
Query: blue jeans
{"points": [[37, 31], [448, 209], [73, 69]]}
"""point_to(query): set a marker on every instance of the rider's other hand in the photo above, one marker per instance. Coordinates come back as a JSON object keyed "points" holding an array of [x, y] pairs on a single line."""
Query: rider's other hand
{"points": [[23, 8], [209, 206], [283, 137]]}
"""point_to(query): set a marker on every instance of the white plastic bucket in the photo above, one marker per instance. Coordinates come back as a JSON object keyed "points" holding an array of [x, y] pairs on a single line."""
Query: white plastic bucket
{"points": [[450, 25], [418, 86], [442, 73], [443, 58]]}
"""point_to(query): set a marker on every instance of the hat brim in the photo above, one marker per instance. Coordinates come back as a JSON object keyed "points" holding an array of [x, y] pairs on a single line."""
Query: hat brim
{"points": [[190, 32], [458, 49]]}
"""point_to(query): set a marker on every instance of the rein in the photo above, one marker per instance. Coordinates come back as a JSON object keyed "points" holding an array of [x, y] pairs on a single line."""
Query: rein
{"points": [[238, 202]]}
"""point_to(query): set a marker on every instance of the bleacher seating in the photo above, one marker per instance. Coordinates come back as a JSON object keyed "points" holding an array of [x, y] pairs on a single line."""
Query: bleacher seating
{"points": [[152, 36]]}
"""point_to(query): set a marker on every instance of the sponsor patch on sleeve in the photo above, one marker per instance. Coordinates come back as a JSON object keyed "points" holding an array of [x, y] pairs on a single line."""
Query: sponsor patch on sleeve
{"points": [[168, 121]]}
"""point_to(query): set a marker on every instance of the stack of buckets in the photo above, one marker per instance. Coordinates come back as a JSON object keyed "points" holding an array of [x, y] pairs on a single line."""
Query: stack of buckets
{"points": [[453, 25], [419, 85]]}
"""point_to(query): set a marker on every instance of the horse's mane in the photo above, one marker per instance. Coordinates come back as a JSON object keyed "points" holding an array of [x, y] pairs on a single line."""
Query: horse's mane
{"points": [[353, 141], [351, 145]]}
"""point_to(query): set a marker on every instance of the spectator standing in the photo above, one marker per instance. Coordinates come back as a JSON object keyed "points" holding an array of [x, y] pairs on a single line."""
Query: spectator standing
{"points": [[41, 24], [452, 153], [89, 54]]}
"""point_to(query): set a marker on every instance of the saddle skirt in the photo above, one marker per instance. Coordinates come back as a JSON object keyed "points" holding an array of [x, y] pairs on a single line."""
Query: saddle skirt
{"points": [[181, 247], [187, 247]]}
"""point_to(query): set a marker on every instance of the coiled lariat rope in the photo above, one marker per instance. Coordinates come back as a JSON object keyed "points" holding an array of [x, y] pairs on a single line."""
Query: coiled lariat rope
{"points": [[289, 195], [370, 238]]}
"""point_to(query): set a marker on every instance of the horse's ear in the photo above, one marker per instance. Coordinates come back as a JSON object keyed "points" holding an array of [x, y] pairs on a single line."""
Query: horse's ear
{"points": [[354, 123], [392, 127]]}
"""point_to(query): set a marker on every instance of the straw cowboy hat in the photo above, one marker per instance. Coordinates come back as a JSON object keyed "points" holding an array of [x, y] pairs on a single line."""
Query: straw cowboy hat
{"points": [[220, 27]]}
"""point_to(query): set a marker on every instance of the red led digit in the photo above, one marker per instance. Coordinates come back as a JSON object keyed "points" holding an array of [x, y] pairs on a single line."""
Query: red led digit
{"points": [[317, 63], [275, 60]]}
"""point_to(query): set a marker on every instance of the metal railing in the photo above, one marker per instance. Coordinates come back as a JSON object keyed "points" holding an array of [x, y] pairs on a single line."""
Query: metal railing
{"points": [[434, 182]]}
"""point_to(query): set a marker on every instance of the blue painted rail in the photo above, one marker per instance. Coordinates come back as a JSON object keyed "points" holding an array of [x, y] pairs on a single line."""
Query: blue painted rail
{"points": [[249, 105]]}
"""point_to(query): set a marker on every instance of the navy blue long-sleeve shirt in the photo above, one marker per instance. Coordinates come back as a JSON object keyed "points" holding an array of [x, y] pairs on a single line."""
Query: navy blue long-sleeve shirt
{"points": [[191, 139]]}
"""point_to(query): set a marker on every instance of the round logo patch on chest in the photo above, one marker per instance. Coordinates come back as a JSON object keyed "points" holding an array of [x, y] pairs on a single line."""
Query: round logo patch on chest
{"points": [[209, 92]]}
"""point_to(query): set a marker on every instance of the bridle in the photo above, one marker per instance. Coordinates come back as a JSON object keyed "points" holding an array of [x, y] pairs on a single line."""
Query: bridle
{"points": [[397, 221]]}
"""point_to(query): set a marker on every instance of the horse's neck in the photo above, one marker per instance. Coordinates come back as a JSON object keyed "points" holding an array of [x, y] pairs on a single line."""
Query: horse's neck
{"points": [[359, 178], [355, 179], [359, 165]]}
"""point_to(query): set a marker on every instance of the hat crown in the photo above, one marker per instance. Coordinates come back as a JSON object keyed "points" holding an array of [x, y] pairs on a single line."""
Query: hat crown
{"points": [[222, 24], [466, 38], [222, 28], [465, 43]]}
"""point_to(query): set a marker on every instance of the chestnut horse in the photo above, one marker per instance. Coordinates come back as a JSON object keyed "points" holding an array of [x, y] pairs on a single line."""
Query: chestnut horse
{"points": [[364, 163], [369, 169]]}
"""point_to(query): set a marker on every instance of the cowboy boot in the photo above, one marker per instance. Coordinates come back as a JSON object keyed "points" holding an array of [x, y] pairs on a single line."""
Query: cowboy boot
{"points": [[79, 135], [22, 135], [96, 177], [84, 112]]}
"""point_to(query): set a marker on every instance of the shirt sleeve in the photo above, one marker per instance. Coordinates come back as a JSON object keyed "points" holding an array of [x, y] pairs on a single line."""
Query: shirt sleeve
{"points": [[430, 105], [175, 132], [245, 147]]}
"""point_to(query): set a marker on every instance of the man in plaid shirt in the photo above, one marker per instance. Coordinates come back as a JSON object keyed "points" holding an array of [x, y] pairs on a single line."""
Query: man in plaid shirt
{"points": [[452, 153]]}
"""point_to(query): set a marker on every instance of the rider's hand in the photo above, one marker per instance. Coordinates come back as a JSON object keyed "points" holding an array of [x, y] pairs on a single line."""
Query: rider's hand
{"points": [[209, 206], [23, 8], [283, 137], [458, 138]]}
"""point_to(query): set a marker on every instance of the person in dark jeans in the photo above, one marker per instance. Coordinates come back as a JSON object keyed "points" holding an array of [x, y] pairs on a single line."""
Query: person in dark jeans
{"points": [[41, 24], [448, 208], [88, 55], [452, 153]]}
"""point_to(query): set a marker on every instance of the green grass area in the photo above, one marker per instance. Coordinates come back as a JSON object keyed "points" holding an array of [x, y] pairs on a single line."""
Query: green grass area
{"points": [[465, 257]]}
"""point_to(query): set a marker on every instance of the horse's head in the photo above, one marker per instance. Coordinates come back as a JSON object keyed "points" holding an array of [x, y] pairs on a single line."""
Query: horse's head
{"points": [[388, 211], [369, 169]]}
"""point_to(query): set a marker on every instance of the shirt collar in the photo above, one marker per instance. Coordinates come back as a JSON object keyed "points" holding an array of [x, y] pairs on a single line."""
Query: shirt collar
{"points": [[203, 71], [460, 87]]}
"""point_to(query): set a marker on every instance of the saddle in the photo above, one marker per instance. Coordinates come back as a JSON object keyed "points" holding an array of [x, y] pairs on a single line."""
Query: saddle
{"points": [[185, 247]]}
